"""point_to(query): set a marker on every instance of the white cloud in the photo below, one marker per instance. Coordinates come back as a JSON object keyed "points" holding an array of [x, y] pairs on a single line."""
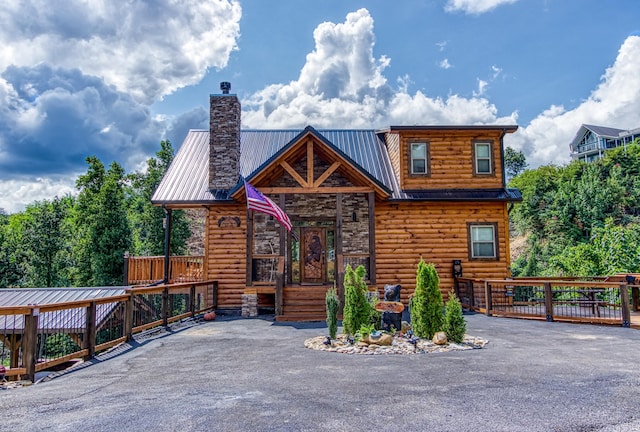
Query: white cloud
{"points": [[342, 85], [614, 103], [15, 195], [444, 64], [482, 86], [147, 49], [475, 7]]}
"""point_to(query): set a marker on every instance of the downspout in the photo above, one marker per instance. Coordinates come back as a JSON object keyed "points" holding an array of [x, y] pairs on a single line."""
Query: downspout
{"points": [[167, 243], [504, 175]]}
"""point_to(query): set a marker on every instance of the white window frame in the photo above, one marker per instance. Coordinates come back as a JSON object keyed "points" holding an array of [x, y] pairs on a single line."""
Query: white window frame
{"points": [[426, 158], [473, 227], [477, 158]]}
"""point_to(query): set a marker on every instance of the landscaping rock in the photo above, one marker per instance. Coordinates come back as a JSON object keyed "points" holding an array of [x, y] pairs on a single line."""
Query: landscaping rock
{"points": [[440, 338]]}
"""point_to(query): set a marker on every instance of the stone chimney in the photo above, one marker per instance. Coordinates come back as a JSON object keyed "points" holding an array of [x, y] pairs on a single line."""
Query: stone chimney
{"points": [[224, 139]]}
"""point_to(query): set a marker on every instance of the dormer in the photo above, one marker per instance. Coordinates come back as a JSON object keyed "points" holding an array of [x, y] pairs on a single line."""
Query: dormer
{"points": [[447, 157]]}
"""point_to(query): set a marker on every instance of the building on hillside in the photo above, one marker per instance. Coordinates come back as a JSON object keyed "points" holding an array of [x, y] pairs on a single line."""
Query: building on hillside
{"points": [[591, 142], [379, 198]]}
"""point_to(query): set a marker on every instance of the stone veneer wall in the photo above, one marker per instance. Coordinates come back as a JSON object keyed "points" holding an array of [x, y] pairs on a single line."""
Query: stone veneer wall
{"points": [[224, 144]]}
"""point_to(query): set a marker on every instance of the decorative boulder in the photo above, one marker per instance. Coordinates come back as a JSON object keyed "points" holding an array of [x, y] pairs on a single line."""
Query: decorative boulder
{"points": [[382, 340], [440, 338]]}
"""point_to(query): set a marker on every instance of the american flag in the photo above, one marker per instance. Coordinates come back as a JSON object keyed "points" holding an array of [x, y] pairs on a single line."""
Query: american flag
{"points": [[260, 203]]}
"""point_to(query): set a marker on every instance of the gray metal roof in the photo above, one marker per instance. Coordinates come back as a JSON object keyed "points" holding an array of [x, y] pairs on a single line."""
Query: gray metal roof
{"points": [[63, 320], [187, 179]]}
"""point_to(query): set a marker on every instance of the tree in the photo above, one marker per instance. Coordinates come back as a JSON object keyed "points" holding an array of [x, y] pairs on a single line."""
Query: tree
{"points": [[102, 226], [426, 304], [45, 243], [454, 324], [356, 307], [514, 162], [145, 218]]}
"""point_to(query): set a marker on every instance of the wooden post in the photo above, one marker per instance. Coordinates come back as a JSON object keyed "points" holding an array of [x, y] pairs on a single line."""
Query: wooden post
{"points": [[30, 343], [548, 301], [339, 256], [488, 298], [125, 278], [165, 306], [624, 301], [249, 280], [214, 295], [128, 317], [470, 293], [635, 298], [14, 346], [372, 238], [90, 331], [167, 245]]}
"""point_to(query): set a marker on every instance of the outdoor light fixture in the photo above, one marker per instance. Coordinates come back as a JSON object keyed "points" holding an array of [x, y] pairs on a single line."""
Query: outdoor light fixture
{"points": [[457, 268]]}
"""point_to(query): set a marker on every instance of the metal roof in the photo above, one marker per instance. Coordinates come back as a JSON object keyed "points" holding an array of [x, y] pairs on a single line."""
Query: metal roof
{"points": [[464, 195], [187, 179], [72, 319]]}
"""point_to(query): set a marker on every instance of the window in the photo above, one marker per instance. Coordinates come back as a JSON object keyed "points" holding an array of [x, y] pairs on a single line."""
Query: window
{"points": [[483, 241], [482, 152], [419, 157]]}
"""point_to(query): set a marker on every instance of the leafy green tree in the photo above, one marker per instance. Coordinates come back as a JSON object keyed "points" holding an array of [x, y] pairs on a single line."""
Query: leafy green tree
{"points": [[100, 220], [45, 241], [426, 303], [13, 259], [110, 232], [454, 326], [146, 219], [356, 307], [514, 162]]}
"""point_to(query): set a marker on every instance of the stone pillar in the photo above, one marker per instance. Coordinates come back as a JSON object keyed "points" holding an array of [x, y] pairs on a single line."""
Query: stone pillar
{"points": [[249, 304]]}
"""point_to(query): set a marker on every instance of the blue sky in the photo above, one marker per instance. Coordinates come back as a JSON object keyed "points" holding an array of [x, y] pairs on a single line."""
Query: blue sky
{"points": [[94, 77]]}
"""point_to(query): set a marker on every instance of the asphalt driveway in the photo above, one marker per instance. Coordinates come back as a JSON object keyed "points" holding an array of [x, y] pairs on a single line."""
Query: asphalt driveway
{"points": [[256, 375]]}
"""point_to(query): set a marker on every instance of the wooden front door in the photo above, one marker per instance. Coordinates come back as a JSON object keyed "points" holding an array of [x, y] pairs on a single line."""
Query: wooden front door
{"points": [[313, 248]]}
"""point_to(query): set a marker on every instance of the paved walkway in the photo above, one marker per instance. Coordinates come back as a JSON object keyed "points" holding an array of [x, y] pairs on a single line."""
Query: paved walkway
{"points": [[255, 375]]}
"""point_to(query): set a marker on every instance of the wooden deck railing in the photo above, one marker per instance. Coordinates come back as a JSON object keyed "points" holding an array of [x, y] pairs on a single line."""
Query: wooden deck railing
{"points": [[146, 270], [43, 336], [601, 300]]}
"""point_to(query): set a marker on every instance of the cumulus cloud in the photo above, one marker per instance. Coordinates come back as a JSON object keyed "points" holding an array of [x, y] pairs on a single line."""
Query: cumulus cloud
{"points": [[145, 48], [614, 103], [77, 79], [475, 7], [342, 85], [16, 194], [53, 118]]}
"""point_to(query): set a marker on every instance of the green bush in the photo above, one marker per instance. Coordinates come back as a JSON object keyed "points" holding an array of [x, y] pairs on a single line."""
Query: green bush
{"points": [[426, 303], [375, 317], [333, 304], [454, 324], [356, 307]]}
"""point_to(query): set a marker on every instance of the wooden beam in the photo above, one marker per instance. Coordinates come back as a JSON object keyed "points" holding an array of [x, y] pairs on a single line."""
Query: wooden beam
{"points": [[315, 190], [249, 279], [310, 162], [372, 238], [325, 175], [297, 177]]}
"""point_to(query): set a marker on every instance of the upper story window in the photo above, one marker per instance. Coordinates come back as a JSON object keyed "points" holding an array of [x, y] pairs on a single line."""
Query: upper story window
{"points": [[483, 158], [419, 158], [482, 241]]}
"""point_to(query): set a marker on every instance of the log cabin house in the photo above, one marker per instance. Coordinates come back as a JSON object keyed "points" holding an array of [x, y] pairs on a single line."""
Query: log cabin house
{"points": [[380, 198]]}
